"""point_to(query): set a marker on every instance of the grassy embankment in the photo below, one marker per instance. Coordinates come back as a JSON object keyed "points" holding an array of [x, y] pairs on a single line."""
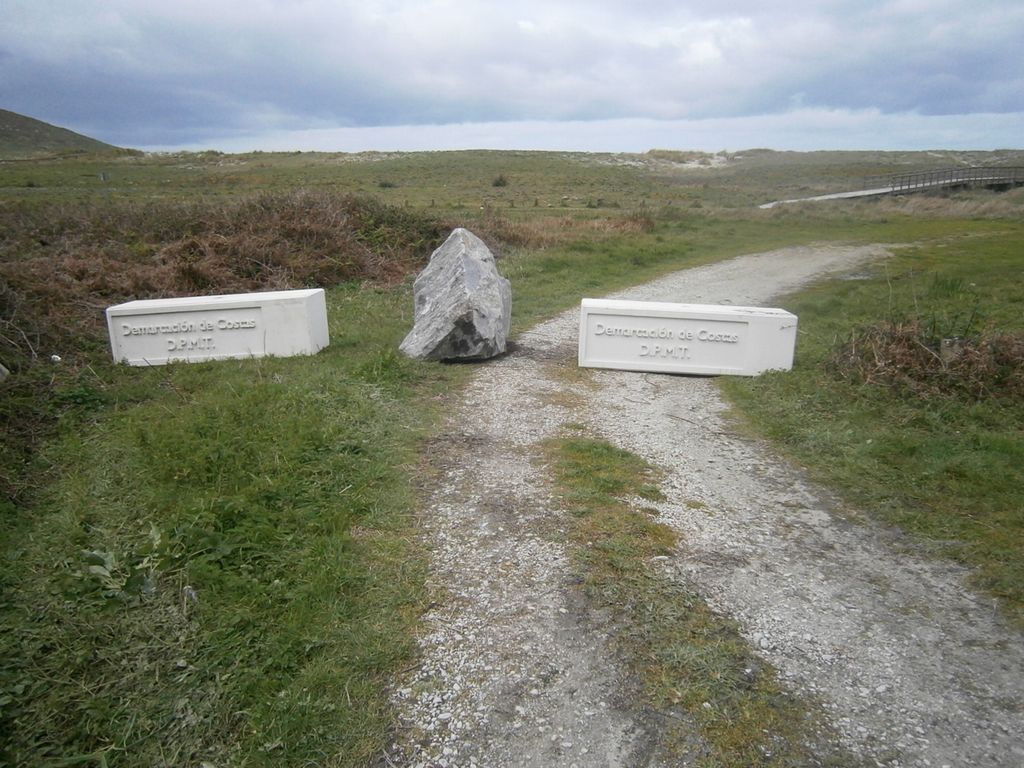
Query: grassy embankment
{"points": [[870, 407], [218, 562]]}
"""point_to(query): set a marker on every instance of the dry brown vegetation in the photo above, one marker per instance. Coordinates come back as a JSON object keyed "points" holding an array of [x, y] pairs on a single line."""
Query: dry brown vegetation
{"points": [[550, 231], [60, 266], [973, 204], [906, 356]]}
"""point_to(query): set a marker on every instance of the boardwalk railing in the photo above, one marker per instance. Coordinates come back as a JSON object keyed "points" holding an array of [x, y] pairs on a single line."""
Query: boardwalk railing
{"points": [[918, 181], [949, 177]]}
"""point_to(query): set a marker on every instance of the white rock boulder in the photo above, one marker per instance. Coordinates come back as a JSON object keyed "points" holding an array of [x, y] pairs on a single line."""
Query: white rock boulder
{"points": [[462, 306]]}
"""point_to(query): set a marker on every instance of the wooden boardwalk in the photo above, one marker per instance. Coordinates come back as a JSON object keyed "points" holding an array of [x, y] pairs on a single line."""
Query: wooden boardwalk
{"points": [[923, 181]]}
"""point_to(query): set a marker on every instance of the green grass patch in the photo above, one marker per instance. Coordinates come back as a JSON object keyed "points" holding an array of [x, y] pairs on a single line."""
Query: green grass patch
{"points": [[689, 658], [945, 463], [223, 569]]}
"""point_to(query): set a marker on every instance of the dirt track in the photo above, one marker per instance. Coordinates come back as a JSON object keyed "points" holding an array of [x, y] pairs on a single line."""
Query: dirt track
{"points": [[912, 668]]}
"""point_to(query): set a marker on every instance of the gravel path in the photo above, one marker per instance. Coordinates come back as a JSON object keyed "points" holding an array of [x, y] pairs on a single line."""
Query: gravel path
{"points": [[913, 669]]}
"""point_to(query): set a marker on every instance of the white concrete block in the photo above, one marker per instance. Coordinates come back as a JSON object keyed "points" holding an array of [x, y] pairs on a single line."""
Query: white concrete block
{"points": [[685, 338], [241, 325]]}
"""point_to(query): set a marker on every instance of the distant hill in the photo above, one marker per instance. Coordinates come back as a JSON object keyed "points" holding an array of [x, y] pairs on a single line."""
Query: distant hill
{"points": [[25, 137]]}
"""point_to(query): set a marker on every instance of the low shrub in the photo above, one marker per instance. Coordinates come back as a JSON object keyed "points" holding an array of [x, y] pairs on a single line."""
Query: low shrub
{"points": [[60, 266], [904, 355]]}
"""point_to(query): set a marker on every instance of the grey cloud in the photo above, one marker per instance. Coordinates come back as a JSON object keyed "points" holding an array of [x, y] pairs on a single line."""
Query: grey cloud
{"points": [[141, 72]]}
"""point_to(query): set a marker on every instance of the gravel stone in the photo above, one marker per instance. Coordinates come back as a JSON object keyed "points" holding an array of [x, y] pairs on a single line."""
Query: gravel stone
{"points": [[910, 666]]}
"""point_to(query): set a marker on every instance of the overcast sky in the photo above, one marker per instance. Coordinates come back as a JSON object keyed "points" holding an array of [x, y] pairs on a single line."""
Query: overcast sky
{"points": [[238, 75]]}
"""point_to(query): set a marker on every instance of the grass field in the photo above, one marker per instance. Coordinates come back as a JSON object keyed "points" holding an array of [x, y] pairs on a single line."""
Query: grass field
{"points": [[219, 562]]}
